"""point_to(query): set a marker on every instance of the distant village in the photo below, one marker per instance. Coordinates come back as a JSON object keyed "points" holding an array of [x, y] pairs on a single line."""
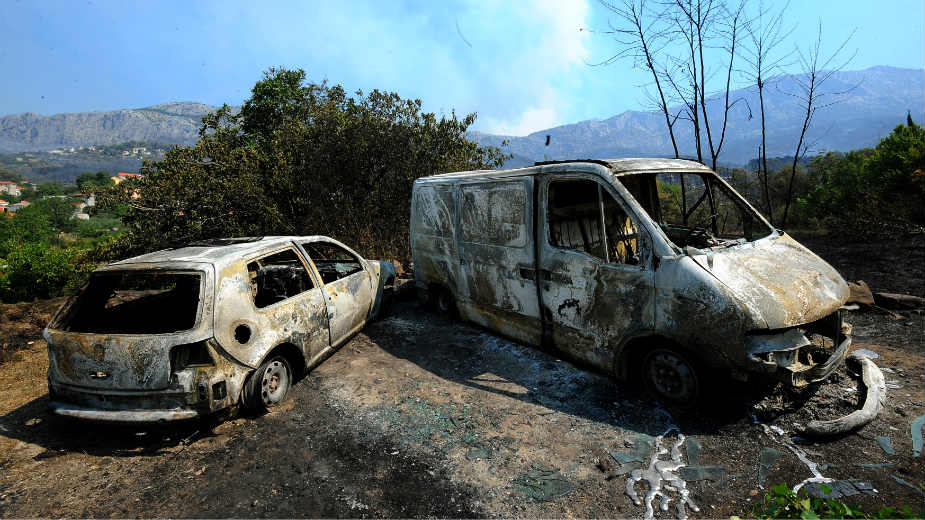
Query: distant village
{"points": [[80, 201]]}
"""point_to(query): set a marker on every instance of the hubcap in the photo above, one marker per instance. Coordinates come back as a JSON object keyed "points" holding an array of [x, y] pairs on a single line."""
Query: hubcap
{"points": [[275, 383], [672, 377]]}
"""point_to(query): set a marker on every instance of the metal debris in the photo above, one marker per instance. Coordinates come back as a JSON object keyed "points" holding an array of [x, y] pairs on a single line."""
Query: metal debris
{"points": [[712, 473], [867, 353], [840, 489], [908, 484], [766, 460], [916, 430], [478, 453], [542, 484], [884, 443], [692, 447], [642, 447]]}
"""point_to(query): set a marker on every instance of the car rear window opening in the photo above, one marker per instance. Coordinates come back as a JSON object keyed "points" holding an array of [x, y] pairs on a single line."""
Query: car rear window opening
{"points": [[135, 302]]}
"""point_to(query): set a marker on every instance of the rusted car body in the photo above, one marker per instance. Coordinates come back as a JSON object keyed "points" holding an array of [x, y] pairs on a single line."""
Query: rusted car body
{"points": [[633, 266], [184, 332]]}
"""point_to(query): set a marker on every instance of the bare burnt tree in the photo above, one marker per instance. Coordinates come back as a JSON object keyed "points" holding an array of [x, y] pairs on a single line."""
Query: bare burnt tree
{"points": [[641, 38], [765, 61], [705, 24], [817, 70], [677, 42]]}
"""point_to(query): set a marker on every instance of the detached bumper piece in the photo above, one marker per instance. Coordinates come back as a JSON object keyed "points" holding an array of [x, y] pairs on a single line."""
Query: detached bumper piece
{"points": [[801, 355]]}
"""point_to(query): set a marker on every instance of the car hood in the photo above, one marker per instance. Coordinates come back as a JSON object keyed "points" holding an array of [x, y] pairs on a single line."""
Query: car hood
{"points": [[781, 283]]}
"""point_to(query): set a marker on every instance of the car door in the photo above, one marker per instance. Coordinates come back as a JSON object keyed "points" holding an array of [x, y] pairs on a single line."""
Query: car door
{"points": [[271, 299], [348, 286], [596, 282], [497, 287]]}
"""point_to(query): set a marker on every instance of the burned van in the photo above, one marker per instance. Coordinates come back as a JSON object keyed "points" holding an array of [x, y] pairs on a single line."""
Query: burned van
{"points": [[185, 332], [646, 267]]}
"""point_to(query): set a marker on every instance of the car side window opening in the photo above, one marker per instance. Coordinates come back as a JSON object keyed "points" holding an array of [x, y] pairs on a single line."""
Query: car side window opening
{"points": [[332, 261], [582, 216], [277, 277]]}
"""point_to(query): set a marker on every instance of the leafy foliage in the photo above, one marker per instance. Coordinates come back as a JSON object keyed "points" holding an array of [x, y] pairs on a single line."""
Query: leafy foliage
{"points": [[89, 181], [868, 190], [782, 502], [34, 270], [300, 158]]}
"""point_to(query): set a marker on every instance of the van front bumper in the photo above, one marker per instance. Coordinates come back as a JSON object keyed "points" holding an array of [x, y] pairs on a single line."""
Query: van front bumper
{"points": [[791, 358]]}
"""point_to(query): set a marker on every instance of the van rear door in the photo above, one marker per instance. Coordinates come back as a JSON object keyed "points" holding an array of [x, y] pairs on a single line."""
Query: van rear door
{"points": [[497, 286]]}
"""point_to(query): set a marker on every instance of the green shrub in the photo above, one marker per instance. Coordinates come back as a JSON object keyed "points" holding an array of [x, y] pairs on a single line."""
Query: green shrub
{"points": [[35, 270], [782, 502]]}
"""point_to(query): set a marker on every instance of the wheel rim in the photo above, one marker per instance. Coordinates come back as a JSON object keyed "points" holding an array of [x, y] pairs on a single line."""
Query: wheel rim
{"points": [[274, 383], [671, 376]]}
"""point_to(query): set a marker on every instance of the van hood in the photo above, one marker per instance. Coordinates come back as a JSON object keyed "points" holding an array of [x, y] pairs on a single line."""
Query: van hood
{"points": [[778, 281]]}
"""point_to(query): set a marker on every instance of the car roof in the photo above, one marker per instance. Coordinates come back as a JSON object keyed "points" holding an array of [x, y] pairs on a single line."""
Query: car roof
{"points": [[221, 251], [616, 167]]}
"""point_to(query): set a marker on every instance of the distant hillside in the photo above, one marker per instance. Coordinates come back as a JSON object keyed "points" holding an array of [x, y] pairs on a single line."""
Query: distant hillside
{"points": [[173, 123], [65, 164], [877, 104]]}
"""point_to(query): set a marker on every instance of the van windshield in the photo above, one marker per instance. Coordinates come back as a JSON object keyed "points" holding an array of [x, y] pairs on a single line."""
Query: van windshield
{"points": [[696, 210], [135, 302]]}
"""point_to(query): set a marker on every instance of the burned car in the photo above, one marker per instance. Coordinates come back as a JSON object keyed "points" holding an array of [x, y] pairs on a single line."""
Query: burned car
{"points": [[638, 267], [185, 332]]}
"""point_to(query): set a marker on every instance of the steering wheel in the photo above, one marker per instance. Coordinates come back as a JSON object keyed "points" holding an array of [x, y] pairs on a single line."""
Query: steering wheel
{"points": [[699, 228]]}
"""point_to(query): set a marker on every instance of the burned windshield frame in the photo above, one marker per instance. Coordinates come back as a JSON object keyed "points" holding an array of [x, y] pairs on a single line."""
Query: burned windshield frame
{"points": [[696, 209]]}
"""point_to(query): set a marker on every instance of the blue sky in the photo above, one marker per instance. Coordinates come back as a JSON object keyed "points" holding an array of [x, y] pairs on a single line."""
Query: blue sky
{"points": [[521, 65]]}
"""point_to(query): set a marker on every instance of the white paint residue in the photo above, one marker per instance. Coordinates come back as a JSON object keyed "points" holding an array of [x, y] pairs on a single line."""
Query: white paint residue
{"points": [[662, 470], [813, 467]]}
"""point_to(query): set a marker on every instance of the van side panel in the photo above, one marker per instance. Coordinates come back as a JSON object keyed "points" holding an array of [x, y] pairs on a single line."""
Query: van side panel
{"points": [[433, 236], [497, 288]]}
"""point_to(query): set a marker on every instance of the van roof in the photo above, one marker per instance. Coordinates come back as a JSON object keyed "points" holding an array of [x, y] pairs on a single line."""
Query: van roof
{"points": [[616, 166]]}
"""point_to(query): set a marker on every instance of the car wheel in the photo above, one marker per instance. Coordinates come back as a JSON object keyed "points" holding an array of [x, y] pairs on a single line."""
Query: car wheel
{"points": [[269, 385], [672, 376]]}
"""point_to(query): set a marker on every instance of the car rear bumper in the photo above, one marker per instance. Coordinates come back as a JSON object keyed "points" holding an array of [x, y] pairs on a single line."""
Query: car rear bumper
{"points": [[121, 416], [120, 406]]}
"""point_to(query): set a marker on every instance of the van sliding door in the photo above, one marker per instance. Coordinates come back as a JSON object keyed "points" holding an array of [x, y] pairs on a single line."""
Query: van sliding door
{"points": [[497, 286]]}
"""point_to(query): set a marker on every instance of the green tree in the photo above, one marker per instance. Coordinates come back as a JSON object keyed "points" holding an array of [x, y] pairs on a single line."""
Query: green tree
{"points": [[59, 210], [29, 226], [89, 181], [875, 189], [50, 189], [299, 159]]}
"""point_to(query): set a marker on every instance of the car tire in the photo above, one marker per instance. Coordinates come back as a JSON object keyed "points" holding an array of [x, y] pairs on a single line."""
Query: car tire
{"points": [[673, 376], [269, 385]]}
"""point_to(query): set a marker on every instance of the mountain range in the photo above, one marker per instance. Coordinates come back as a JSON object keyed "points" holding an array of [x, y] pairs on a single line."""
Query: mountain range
{"points": [[873, 102]]}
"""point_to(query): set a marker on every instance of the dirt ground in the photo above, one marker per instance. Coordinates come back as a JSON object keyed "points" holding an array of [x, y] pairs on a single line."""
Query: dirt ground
{"points": [[421, 416]]}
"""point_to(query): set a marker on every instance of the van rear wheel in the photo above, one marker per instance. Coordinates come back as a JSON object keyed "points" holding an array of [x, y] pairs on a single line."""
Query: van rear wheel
{"points": [[672, 376], [445, 303]]}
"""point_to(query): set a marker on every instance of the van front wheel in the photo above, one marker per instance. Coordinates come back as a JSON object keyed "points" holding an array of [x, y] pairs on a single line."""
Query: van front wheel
{"points": [[671, 376]]}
